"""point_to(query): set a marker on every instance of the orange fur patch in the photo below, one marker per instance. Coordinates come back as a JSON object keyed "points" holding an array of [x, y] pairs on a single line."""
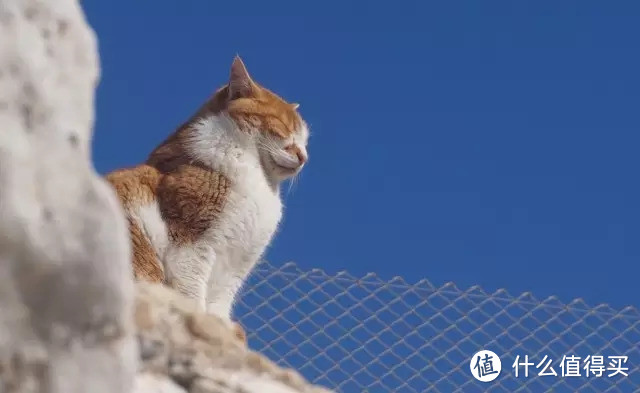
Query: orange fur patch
{"points": [[254, 106], [135, 187]]}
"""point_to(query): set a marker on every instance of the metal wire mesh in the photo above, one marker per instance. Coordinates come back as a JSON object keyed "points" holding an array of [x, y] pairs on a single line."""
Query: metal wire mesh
{"points": [[368, 335]]}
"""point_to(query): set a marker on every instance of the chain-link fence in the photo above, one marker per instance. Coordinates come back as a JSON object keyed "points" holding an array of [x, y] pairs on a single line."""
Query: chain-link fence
{"points": [[368, 335]]}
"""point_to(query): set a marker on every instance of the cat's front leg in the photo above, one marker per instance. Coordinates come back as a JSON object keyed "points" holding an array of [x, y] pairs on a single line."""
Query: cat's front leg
{"points": [[188, 269], [227, 277], [223, 290], [221, 295]]}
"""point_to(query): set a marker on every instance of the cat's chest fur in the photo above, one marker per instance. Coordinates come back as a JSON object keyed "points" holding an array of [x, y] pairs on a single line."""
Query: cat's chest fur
{"points": [[249, 216], [227, 215]]}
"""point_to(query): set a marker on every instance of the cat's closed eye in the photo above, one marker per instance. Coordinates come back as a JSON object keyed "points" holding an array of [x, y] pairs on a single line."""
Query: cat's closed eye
{"points": [[278, 133]]}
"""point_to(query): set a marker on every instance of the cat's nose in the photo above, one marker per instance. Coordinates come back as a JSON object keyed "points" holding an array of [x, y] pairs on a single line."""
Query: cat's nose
{"points": [[302, 158], [296, 151]]}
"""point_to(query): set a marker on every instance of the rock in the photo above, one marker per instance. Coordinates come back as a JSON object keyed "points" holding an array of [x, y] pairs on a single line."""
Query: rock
{"points": [[200, 352], [66, 290], [150, 383]]}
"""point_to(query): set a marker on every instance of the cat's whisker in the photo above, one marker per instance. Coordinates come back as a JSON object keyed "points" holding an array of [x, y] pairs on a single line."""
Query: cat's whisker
{"points": [[292, 182]]}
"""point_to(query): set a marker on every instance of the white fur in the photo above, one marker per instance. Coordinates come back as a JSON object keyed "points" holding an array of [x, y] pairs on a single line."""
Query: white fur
{"points": [[214, 268], [149, 220]]}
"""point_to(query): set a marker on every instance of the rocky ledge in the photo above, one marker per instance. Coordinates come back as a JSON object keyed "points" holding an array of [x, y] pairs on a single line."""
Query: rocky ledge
{"points": [[182, 350]]}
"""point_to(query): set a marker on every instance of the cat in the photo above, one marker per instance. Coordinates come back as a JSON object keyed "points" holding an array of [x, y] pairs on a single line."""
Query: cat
{"points": [[206, 203]]}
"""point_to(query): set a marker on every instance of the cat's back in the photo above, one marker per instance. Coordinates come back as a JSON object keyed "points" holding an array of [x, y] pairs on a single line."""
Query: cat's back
{"points": [[136, 185]]}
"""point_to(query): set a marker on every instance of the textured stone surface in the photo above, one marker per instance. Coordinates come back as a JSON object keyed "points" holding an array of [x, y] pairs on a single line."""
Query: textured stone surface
{"points": [[199, 352], [65, 279], [154, 383]]}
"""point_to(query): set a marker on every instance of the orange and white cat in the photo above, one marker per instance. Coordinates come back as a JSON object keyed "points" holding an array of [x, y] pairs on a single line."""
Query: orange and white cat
{"points": [[206, 203]]}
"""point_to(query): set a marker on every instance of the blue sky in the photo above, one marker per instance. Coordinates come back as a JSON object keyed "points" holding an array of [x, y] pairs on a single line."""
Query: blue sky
{"points": [[492, 143]]}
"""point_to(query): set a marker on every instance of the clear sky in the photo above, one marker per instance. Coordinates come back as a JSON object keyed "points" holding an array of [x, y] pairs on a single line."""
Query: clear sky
{"points": [[492, 143]]}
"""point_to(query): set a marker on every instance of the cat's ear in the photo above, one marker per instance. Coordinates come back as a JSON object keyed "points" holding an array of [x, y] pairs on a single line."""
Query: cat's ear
{"points": [[295, 105], [240, 83]]}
